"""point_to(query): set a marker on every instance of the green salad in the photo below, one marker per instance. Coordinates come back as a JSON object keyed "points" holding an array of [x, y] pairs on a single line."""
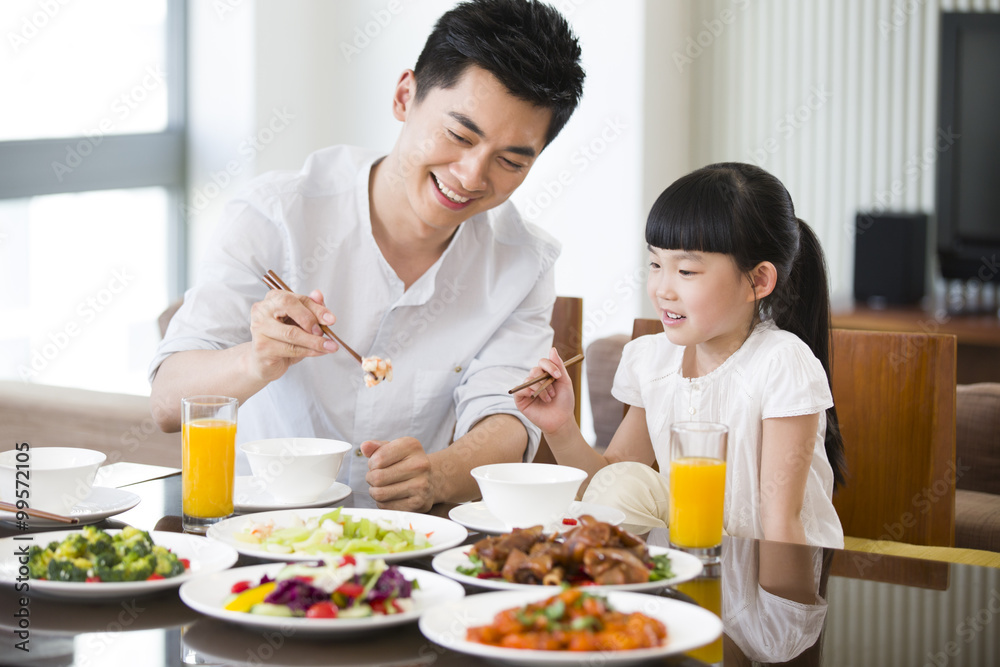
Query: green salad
{"points": [[93, 555], [334, 533]]}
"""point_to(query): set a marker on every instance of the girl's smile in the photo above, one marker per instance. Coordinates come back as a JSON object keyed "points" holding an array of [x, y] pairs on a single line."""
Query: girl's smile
{"points": [[702, 299]]}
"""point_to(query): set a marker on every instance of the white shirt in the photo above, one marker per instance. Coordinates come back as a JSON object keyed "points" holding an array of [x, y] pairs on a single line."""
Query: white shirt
{"points": [[465, 332], [773, 374]]}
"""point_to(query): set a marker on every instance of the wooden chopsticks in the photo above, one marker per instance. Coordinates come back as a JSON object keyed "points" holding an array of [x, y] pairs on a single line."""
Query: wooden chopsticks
{"points": [[40, 514], [272, 280], [545, 379]]}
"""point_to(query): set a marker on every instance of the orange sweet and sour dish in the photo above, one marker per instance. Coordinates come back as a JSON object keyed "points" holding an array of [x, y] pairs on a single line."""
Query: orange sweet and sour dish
{"points": [[574, 620]]}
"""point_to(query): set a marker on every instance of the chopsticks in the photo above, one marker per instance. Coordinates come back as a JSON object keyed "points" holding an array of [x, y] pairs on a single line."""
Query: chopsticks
{"points": [[545, 379], [40, 514], [272, 280]]}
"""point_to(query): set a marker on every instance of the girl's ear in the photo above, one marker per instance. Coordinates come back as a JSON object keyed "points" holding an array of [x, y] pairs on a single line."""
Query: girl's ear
{"points": [[764, 278], [405, 95]]}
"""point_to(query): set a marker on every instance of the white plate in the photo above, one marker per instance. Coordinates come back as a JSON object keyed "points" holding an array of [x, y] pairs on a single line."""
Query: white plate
{"points": [[204, 555], [100, 504], [688, 627], [444, 534], [475, 516], [685, 567], [250, 496], [207, 595]]}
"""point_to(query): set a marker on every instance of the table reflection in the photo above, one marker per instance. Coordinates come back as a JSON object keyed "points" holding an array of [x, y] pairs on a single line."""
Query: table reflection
{"points": [[771, 598], [779, 603]]}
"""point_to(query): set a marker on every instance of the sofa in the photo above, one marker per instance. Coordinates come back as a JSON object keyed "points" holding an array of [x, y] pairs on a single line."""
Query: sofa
{"points": [[977, 495], [120, 425]]}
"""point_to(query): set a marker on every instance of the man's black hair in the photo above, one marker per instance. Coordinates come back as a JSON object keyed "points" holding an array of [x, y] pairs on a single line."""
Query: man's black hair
{"points": [[527, 45]]}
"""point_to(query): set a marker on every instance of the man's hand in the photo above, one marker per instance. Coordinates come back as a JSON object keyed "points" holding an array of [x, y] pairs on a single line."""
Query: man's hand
{"points": [[399, 474], [285, 330]]}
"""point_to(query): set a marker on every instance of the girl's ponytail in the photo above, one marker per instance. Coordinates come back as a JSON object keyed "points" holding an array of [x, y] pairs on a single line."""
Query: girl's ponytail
{"points": [[803, 308]]}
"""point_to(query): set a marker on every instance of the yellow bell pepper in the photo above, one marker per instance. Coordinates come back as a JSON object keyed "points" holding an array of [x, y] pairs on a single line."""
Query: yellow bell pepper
{"points": [[248, 598]]}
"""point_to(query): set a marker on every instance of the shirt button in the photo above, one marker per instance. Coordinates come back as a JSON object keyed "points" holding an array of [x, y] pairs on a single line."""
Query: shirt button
{"points": [[458, 369], [357, 452], [691, 410]]}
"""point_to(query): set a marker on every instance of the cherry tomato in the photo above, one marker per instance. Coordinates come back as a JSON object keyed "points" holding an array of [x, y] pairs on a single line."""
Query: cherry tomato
{"points": [[239, 587], [185, 562], [322, 610], [154, 577], [351, 589], [348, 559]]}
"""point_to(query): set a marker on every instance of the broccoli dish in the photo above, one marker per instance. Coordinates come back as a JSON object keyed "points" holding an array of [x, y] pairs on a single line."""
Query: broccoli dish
{"points": [[93, 555]]}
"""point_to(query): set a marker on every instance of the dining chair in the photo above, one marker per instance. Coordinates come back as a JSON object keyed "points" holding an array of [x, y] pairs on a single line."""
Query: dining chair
{"points": [[895, 400], [567, 327]]}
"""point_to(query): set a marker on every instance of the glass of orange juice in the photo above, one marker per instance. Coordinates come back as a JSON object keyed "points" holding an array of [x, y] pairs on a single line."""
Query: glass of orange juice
{"points": [[208, 460], [697, 483]]}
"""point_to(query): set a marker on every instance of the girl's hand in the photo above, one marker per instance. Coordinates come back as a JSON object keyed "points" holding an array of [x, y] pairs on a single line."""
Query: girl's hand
{"points": [[553, 408]]}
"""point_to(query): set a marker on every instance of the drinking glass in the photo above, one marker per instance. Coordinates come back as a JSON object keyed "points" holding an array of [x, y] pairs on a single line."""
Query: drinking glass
{"points": [[697, 487], [208, 460]]}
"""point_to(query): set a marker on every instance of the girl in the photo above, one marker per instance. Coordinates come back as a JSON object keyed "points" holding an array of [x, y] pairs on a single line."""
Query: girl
{"points": [[740, 286]]}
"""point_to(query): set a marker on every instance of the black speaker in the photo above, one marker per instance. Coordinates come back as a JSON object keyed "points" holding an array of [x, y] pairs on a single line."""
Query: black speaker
{"points": [[890, 258]]}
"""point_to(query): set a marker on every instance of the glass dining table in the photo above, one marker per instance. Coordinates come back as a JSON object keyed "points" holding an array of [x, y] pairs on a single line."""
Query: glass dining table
{"points": [[779, 603]]}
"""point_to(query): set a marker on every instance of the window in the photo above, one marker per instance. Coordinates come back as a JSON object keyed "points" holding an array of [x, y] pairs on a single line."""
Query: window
{"points": [[91, 187]]}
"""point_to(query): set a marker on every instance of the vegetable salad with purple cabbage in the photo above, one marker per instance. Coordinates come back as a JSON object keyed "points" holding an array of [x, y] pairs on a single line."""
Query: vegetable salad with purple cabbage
{"points": [[347, 587]]}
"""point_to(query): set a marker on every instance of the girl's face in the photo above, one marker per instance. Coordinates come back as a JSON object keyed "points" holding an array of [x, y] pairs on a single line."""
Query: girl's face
{"points": [[701, 298]]}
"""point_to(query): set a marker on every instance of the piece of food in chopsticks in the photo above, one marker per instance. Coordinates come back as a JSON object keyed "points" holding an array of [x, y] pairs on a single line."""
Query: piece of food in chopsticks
{"points": [[592, 553], [347, 587], [574, 620], [376, 370], [333, 533], [93, 555]]}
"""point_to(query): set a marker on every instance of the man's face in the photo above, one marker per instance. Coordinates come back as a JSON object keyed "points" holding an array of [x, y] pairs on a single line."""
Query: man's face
{"points": [[464, 150]]}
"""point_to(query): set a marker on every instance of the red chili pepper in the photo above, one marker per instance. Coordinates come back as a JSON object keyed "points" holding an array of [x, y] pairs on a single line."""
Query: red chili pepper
{"points": [[91, 580], [186, 563], [154, 577], [489, 575], [239, 587], [569, 522], [348, 559]]}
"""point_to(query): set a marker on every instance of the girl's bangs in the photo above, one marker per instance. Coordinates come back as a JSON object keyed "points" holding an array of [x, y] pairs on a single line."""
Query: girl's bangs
{"points": [[695, 213]]}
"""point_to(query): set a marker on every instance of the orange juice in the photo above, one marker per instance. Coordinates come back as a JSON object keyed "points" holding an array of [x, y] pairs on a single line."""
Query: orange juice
{"points": [[697, 490], [209, 461], [707, 592]]}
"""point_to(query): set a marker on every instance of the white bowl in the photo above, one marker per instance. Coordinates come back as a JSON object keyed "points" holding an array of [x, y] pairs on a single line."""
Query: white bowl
{"points": [[296, 470], [521, 495], [52, 479]]}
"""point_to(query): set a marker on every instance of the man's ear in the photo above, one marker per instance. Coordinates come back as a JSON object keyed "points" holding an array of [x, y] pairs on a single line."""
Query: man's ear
{"points": [[764, 278], [405, 95]]}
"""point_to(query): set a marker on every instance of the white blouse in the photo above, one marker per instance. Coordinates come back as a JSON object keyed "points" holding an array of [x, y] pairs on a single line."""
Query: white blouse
{"points": [[773, 374]]}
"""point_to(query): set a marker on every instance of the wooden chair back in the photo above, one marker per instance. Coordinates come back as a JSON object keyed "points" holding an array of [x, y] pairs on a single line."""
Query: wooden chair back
{"points": [[895, 399], [567, 325]]}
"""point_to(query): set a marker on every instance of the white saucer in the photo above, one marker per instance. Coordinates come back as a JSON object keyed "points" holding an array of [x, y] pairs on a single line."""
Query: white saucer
{"points": [[102, 502], [475, 516], [249, 496]]}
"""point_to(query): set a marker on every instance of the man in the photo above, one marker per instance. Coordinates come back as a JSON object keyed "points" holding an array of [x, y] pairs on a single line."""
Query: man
{"points": [[420, 257]]}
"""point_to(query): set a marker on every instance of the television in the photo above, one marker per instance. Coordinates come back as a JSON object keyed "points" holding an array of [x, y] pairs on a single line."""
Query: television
{"points": [[968, 147]]}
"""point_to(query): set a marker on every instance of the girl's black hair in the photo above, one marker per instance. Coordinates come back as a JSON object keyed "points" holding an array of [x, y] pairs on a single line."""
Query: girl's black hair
{"points": [[527, 45], [743, 211]]}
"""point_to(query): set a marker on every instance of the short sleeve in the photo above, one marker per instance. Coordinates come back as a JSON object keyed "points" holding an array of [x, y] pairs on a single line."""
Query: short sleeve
{"points": [[628, 377], [796, 383]]}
